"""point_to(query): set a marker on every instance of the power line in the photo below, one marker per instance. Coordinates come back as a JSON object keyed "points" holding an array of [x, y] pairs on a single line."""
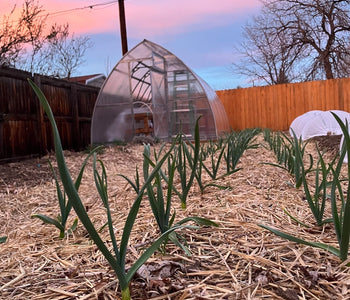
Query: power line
{"points": [[68, 11], [82, 8], [109, 3]]}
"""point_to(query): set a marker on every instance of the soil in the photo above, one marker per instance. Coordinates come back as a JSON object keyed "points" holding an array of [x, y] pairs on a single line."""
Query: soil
{"points": [[237, 260]]}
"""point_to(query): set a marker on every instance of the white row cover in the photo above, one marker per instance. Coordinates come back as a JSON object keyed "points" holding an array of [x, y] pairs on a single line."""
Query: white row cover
{"points": [[319, 123]]}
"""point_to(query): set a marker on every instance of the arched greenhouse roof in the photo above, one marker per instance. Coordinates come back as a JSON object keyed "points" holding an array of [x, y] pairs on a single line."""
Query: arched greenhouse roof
{"points": [[152, 92]]}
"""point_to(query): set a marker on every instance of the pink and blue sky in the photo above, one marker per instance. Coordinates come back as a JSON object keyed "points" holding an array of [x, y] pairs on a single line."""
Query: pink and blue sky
{"points": [[202, 33]]}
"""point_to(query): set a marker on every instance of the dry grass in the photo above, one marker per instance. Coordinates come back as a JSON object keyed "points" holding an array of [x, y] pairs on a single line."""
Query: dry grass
{"points": [[238, 260]]}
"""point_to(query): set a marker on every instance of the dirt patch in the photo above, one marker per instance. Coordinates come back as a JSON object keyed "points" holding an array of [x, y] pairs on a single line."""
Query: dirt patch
{"points": [[237, 260], [330, 143]]}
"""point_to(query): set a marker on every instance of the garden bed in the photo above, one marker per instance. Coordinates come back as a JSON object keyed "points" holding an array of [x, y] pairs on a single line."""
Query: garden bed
{"points": [[237, 260]]}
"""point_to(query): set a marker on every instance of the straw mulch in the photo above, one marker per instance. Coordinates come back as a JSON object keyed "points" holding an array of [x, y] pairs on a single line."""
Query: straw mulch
{"points": [[237, 260]]}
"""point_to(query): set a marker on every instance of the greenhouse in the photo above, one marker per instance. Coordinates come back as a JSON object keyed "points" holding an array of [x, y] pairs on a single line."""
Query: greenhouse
{"points": [[152, 92]]}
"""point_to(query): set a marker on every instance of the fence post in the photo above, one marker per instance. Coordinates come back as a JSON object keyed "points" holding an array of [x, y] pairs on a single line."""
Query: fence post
{"points": [[2, 141], [42, 136], [75, 118]]}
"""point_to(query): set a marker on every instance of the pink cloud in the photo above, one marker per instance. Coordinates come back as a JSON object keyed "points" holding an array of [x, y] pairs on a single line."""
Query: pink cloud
{"points": [[158, 17], [144, 18], [81, 18]]}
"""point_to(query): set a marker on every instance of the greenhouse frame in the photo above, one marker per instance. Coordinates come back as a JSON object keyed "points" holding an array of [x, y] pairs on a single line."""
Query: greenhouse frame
{"points": [[152, 92]]}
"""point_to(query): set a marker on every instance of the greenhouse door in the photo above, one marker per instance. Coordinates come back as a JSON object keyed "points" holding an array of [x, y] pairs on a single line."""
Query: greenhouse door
{"points": [[181, 98], [159, 97]]}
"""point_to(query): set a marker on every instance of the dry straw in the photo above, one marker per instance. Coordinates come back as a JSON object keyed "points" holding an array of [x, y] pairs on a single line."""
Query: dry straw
{"points": [[237, 260]]}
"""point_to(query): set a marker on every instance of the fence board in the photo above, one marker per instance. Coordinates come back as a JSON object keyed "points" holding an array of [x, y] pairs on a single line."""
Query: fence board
{"points": [[24, 128], [276, 106]]}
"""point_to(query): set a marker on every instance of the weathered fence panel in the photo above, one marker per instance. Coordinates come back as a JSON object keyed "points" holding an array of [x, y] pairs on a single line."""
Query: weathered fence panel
{"points": [[24, 128], [276, 106]]}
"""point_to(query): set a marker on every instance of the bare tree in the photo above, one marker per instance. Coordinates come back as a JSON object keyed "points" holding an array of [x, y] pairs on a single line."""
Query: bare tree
{"points": [[26, 44], [16, 34], [63, 53], [266, 55], [298, 40]]}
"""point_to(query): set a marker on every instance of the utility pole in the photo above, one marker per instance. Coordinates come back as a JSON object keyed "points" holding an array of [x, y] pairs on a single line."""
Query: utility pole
{"points": [[123, 26]]}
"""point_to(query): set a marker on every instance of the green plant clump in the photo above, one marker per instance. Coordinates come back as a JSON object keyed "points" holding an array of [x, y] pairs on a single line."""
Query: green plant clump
{"points": [[186, 161], [237, 144], [65, 206], [160, 204], [285, 149]]}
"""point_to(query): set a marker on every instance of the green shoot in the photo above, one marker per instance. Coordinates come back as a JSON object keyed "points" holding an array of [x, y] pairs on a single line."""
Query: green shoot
{"points": [[187, 159], [237, 144], [161, 205], [294, 219], [65, 206], [214, 162], [341, 216], [316, 201], [135, 185], [285, 150], [199, 180]]}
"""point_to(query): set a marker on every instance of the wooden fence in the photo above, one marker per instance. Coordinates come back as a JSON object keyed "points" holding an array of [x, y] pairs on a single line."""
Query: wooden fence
{"points": [[276, 106], [24, 128]]}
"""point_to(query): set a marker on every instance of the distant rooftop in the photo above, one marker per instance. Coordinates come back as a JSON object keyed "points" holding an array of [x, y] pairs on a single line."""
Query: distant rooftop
{"points": [[93, 79]]}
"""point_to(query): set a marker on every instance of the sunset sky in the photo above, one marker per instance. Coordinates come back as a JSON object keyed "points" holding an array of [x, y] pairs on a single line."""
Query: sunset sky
{"points": [[202, 33]]}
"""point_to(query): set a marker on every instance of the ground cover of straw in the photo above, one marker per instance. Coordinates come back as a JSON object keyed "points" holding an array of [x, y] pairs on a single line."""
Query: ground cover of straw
{"points": [[237, 260]]}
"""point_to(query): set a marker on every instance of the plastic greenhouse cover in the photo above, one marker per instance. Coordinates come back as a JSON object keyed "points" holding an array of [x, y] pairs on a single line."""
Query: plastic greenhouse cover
{"points": [[150, 80], [318, 123]]}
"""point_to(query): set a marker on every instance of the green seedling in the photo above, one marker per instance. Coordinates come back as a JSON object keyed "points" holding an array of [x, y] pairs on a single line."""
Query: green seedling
{"points": [[237, 144], [294, 218], [65, 206], [317, 200], [161, 205], [187, 162], [285, 150], [341, 215], [135, 185], [209, 151], [199, 180], [215, 159]]}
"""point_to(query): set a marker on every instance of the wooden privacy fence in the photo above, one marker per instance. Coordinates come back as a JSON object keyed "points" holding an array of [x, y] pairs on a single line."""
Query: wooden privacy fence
{"points": [[276, 106], [24, 128]]}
